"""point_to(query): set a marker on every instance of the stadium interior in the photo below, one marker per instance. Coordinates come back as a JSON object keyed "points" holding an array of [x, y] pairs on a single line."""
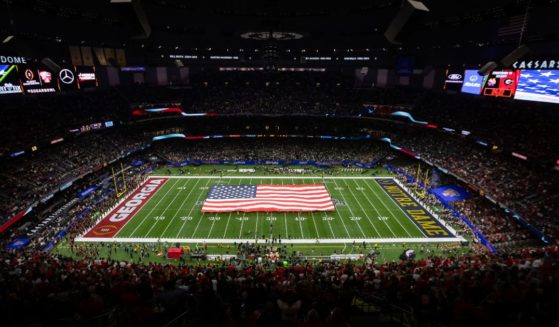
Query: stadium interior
{"points": [[279, 163]]}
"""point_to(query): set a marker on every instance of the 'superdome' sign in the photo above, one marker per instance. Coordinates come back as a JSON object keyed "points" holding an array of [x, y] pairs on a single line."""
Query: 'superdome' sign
{"points": [[12, 60]]}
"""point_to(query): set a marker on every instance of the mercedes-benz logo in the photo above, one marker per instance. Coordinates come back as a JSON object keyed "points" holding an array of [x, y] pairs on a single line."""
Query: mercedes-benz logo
{"points": [[66, 76]]}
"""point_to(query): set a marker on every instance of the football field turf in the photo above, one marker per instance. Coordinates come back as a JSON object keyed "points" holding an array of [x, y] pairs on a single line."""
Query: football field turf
{"points": [[367, 209]]}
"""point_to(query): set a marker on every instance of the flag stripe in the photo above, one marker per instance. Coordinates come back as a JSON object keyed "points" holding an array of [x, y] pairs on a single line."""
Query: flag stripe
{"points": [[277, 200], [268, 208], [268, 198]]}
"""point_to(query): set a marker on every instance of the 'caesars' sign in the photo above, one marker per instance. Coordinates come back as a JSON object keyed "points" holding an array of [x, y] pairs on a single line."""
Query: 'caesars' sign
{"points": [[536, 64]]}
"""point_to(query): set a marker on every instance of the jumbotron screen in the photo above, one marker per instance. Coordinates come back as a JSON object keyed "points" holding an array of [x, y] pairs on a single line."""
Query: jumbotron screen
{"points": [[540, 85], [454, 78], [501, 83], [473, 82], [9, 81], [36, 79], [86, 77], [67, 78]]}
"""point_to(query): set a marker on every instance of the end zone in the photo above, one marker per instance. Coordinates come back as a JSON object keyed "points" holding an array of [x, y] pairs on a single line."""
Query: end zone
{"points": [[123, 212], [429, 224]]}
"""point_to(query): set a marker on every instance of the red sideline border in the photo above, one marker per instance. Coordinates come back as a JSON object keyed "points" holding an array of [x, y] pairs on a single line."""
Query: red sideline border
{"points": [[112, 223]]}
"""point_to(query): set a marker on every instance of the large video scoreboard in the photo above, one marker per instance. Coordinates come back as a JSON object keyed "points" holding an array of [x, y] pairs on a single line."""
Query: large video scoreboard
{"points": [[540, 85], [35, 79], [24, 77], [501, 83], [9, 81]]}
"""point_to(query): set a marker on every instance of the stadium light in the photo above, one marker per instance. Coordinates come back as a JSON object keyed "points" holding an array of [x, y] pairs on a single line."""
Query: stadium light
{"points": [[8, 39]]}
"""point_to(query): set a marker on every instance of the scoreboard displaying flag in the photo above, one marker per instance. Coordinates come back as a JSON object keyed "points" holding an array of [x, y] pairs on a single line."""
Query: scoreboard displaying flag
{"points": [[268, 198], [538, 85]]}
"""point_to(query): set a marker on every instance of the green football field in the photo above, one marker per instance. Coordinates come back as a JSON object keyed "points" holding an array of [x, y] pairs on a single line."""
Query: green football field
{"points": [[364, 212]]}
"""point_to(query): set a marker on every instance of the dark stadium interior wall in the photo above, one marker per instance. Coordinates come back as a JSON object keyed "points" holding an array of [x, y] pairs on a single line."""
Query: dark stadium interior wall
{"points": [[113, 76], [178, 75], [151, 76], [127, 78], [428, 78], [365, 77], [139, 78]]}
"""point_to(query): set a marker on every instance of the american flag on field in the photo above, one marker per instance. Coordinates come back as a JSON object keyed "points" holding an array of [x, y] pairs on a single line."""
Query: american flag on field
{"points": [[268, 198], [538, 85]]}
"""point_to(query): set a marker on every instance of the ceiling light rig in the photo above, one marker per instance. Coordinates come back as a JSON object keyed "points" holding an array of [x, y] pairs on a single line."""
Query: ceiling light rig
{"points": [[276, 36], [271, 49]]}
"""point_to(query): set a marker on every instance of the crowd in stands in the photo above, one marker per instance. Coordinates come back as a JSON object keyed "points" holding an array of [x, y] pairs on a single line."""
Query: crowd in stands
{"points": [[31, 178], [272, 149], [499, 229], [526, 127], [36, 120], [530, 191], [288, 93], [516, 289]]}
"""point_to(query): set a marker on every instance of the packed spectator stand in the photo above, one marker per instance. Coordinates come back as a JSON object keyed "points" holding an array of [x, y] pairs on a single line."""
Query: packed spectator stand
{"points": [[518, 286]]}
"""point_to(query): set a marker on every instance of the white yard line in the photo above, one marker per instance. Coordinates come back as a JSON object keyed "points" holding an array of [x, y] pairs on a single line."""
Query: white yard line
{"points": [[213, 222], [336, 211], [152, 208], [191, 209], [397, 205], [197, 225], [296, 241], [366, 215], [298, 214], [284, 240], [341, 219], [386, 209], [314, 223], [167, 208], [242, 220], [350, 211]]}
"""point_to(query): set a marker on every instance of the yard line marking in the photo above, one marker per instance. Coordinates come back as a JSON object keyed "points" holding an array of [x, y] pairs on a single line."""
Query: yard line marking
{"points": [[199, 221], [296, 241], [284, 218], [366, 214], [313, 219], [228, 219], [392, 213], [314, 223], [165, 210], [152, 208], [198, 224], [298, 214], [341, 219], [351, 211], [242, 220], [192, 208], [385, 208], [329, 224]]}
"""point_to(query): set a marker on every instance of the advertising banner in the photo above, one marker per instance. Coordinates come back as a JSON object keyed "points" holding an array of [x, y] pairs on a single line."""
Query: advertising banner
{"points": [[473, 82], [451, 193]]}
